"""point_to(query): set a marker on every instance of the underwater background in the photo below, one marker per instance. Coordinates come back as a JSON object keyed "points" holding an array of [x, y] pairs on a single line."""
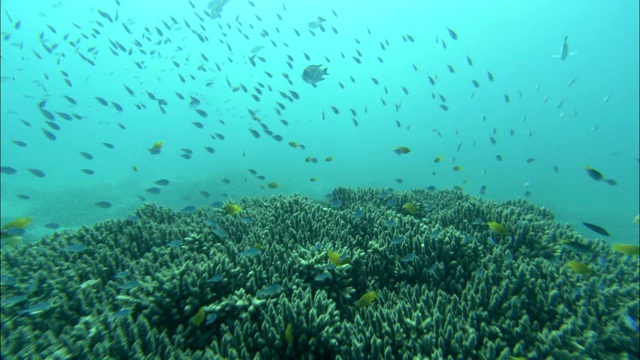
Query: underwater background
{"points": [[190, 105]]}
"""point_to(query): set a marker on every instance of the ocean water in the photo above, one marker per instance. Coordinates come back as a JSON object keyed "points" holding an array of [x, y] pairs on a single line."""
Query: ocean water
{"points": [[562, 114]]}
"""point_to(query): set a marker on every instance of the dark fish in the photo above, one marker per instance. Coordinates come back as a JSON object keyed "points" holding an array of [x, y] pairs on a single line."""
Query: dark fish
{"points": [[255, 133], [210, 149], [86, 155], [8, 170], [47, 114], [198, 124], [162, 182], [71, 100], [24, 196], [102, 101], [37, 172], [19, 143], [453, 34], [202, 113], [490, 76], [87, 171], [103, 204], [593, 173], [53, 125], [596, 229], [117, 106], [52, 226], [153, 190], [49, 135], [107, 145]]}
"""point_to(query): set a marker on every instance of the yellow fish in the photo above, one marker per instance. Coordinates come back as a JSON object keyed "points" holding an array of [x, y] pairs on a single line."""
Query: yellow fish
{"points": [[402, 150], [288, 335], [231, 208], [19, 223], [498, 228], [156, 147], [579, 268], [313, 179], [366, 299], [337, 259], [457, 168], [329, 158], [198, 318], [437, 159], [636, 219], [627, 249], [274, 185], [410, 208]]}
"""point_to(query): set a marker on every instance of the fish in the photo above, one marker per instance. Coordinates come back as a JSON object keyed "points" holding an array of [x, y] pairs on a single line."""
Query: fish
{"points": [[321, 277], [210, 319], [86, 155], [19, 223], [457, 168], [579, 268], [231, 208], [564, 50], [175, 243], [121, 313], [498, 228], [250, 252], [410, 208], [627, 249], [153, 190], [87, 171], [129, 285], [74, 248], [273, 185], [593, 173], [401, 150], [36, 309], [409, 257], [576, 247], [162, 182], [269, 291], [453, 34], [156, 147], [37, 172], [338, 259], [52, 226], [437, 159], [215, 278], [8, 170], [288, 333], [198, 318], [366, 299], [596, 228]]}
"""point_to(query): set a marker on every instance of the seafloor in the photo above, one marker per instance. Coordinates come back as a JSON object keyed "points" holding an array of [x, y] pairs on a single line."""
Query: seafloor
{"points": [[127, 289]]}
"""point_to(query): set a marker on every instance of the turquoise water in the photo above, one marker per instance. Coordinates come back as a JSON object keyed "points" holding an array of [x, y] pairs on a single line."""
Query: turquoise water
{"points": [[597, 124]]}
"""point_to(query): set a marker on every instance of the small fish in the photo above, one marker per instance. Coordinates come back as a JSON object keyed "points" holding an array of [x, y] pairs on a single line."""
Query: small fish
{"points": [[498, 228], [398, 240], [409, 257], [129, 285], [288, 333], [578, 267], [401, 150], [8, 170], [231, 208], [564, 50], [36, 309], [627, 249], [453, 34], [156, 147], [389, 223], [596, 228], [366, 299], [593, 173], [358, 213], [52, 226], [86, 155], [121, 313], [74, 248], [338, 259], [250, 252], [19, 223], [175, 243], [198, 318], [269, 291], [321, 277], [210, 319], [103, 204], [162, 182], [37, 172], [576, 247], [215, 278], [153, 190]]}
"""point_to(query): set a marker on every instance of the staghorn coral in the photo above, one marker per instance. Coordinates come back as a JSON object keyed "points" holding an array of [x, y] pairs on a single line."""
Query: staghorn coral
{"points": [[469, 292]]}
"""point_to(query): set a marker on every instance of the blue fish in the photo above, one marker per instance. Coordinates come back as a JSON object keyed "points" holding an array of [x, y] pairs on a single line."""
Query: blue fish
{"points": [[13, 300], [247, 220], [358, 213], [175, 243], [220, 232], [188, 209], [335, 204], [408, 257], [211, 318], [52, 226], [129, 285], [397, 241], [321, 277], [121, 313], [37, 308], [389, 223], [251, 252], [74, 248], [269, 291], [216, 278], [122, 274]]}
